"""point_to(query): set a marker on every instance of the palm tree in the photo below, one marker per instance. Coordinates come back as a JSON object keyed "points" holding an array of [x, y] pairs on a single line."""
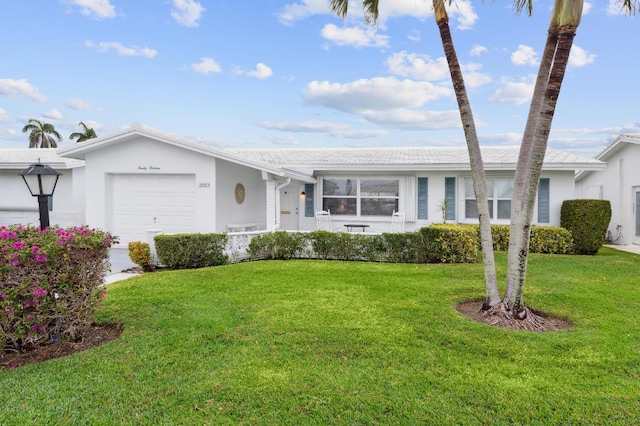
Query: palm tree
{"points": [[478, 176], [565, 19], [87, 134], [42, 134]]}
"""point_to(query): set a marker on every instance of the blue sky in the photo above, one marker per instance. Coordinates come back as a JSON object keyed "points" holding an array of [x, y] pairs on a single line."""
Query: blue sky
{"points": [[283, 74]]}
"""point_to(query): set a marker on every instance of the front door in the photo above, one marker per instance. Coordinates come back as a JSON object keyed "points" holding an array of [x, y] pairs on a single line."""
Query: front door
{"points": [[289, 209], [636, 211]]}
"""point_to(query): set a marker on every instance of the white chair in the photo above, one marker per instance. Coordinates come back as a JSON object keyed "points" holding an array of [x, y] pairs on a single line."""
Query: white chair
{"points": [[323, 220], [397, 221]]}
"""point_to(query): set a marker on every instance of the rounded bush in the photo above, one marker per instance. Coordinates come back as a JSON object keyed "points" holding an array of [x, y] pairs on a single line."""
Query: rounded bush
{"points": [[587, 220]]}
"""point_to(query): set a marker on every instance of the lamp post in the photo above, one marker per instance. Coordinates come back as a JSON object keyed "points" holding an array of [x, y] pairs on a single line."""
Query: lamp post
{"points": [[41, 181]]}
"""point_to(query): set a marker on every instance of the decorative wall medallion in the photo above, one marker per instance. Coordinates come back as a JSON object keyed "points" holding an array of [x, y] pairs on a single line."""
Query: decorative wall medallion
{"points": [[239, 193]]}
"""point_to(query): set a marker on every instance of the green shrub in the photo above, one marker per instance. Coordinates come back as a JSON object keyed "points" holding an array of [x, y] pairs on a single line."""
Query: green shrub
{"points": [[324, 244], [140, 254], [187, 251], [50, 283], [405, 247], [551, 240], [450, 243], [587, 220], [279, 245]]}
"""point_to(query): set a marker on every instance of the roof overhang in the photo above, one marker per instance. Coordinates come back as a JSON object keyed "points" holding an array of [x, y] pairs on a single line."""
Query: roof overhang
{"points": [[80, 150]]}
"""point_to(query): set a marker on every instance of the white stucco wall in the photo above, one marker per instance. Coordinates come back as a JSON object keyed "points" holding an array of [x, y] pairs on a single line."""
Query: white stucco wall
{"points": [[616, 183], [18, 206], [252, 209], [146, 156]]}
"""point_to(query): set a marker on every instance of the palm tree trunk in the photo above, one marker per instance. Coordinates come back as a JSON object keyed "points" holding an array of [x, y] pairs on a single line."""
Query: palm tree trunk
{"points": [[475, 156], [522, 224]]}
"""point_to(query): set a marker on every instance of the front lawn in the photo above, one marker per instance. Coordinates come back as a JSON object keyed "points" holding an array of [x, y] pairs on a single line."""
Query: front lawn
{"points": [[325, 342]]}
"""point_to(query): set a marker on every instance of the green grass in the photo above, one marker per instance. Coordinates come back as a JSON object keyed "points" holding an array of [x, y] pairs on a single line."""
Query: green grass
{"points": [[321, 342]]}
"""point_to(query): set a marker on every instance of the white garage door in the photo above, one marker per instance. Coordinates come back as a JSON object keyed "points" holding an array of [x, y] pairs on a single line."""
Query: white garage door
{"points": [[144, 202]]}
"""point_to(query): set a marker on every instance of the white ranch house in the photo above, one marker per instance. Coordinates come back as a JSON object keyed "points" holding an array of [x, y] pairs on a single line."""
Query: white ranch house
{"points": [[619, 183], [141, 181]]}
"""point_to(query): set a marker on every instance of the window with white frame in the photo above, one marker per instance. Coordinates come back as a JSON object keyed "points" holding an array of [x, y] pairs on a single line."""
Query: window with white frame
{"points": [[499, 192], [361, 196]]}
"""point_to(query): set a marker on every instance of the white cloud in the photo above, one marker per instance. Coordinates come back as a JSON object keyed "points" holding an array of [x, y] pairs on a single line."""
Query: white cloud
{"points": [[421, 67], [96, 9], [304, 126], [415, 119], [187, 12], [338, 130], [20, 89], [461, 11], [81, 105], [477, 50], [473, 77], [206, 66], [514, 92], [261, 72], [53, 114], [297, 11], [379, 93], [105, 46], [354, 36], [580, 57], [282, 140], [524, 55], [615, 8], [4, 117], [414, 35], [361, 134]]}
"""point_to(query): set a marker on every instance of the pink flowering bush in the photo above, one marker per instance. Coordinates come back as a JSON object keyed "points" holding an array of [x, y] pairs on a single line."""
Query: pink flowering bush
{"points": [[49, 283]]}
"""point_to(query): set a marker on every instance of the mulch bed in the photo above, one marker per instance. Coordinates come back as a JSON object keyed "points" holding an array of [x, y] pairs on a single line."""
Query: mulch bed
{"points": [[473, 309], [96, 335]]}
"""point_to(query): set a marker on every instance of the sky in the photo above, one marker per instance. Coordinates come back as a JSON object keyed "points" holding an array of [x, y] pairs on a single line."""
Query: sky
{"points": [[292, 74]]}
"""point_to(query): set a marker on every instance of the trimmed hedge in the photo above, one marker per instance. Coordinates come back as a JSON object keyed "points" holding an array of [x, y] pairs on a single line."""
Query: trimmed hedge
{"points": [[450, 243], [186, 251], [587, 220], [544, 239]]}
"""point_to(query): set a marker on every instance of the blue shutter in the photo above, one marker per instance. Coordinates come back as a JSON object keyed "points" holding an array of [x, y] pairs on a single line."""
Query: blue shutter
{"points": [[309, 189], [543, 201], [423, 198], [450, 196]]}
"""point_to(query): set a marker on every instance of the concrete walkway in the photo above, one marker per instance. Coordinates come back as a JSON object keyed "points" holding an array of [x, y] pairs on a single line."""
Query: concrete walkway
{"points": [[631, 248]]}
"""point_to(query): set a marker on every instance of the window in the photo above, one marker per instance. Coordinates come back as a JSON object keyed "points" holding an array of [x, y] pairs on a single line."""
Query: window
{"points": [[499, 192], [360, 196]]}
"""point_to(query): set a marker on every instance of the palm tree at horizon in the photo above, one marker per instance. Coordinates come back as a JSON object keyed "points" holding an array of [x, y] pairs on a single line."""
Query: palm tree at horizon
{"points": [[87, 134], [42, 135]]}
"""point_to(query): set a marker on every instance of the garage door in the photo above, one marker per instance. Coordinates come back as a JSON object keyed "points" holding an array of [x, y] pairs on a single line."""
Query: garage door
{"points": [[144, 202]]}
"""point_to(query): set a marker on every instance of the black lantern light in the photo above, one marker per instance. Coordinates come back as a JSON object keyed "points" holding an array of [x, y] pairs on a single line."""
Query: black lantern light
{"points": [[41, 181]]}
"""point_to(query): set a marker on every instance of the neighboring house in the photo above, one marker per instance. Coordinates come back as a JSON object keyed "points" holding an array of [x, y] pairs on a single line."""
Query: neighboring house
{"points": [[17, 205], [619, 183], [142, 181]]}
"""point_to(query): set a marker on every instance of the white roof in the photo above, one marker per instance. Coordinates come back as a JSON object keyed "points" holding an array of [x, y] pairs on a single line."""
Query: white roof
{"points": [[408, 158], [615, 146], [136, 130], [21, 158]]}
